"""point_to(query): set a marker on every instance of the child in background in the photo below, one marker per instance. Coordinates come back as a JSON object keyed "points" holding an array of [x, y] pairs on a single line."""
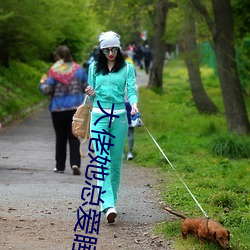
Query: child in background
{"points": [[128, 108]]}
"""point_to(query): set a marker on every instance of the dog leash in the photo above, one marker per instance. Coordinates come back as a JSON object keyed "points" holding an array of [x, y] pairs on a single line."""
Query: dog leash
{"points": [[174, 170]]}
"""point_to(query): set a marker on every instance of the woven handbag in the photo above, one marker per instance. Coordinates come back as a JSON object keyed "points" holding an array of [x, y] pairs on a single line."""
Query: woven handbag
{"points": [[81, 123]]}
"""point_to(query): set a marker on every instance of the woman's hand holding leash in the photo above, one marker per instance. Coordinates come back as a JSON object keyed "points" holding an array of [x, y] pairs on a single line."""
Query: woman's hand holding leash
{"points": [[134, 109], [135, 116]]}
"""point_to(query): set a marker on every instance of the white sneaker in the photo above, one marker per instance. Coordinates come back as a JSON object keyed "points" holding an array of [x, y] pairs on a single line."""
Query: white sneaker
{"points": [[58, 171], [111, 214], [129, 156]]}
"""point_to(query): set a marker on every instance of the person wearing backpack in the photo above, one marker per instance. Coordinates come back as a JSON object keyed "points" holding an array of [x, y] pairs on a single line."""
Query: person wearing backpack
{"points": [[111, 76], [65, 83], [148, 57]]}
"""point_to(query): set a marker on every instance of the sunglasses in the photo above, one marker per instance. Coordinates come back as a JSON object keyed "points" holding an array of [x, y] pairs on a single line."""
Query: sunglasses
{"points": [[106, 51]]}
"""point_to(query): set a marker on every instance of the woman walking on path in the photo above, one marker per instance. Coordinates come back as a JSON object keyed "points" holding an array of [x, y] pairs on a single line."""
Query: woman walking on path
{"points": [[65, 83], [108, 78]]}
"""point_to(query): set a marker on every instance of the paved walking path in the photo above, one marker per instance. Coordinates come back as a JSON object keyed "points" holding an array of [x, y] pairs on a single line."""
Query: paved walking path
{"points": [[38, 207]]}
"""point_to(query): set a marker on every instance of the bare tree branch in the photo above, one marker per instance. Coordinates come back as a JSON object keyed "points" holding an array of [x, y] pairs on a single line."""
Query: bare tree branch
{"points": [[202, 9]]}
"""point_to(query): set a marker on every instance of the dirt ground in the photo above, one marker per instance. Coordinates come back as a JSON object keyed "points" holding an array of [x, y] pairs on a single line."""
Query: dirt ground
{"points": [[38, 208], [38, 211]]}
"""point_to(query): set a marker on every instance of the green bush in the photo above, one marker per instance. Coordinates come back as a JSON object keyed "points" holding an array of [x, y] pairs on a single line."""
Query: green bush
{"points": [[19, 88], [231, 146]]}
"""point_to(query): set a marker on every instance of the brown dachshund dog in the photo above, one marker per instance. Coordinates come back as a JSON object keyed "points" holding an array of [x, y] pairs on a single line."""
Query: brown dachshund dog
{"points": [[204, 229]]}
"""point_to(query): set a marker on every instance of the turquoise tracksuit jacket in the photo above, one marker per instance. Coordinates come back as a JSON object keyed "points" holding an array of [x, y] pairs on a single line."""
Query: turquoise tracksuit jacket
{"points": [[110, 88]]}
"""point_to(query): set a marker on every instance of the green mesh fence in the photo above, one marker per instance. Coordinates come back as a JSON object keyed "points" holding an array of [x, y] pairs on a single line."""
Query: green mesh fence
{"points": [[208, 58], [207, 55]]}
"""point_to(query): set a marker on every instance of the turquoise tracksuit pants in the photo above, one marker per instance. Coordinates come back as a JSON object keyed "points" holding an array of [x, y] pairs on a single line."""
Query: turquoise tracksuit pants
{"points": [[103, 148]]}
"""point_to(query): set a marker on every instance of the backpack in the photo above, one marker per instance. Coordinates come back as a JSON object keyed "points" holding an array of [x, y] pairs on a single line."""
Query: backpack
{"points": [[81, 123]]}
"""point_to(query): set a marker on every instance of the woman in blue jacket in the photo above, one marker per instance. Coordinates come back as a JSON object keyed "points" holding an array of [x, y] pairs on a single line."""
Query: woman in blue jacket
{"points": [[65, 84], [108, 77]]}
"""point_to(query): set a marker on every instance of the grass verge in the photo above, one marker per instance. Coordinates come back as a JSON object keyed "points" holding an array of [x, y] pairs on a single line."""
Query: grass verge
{"points": [[19, 89], [214, 164]]}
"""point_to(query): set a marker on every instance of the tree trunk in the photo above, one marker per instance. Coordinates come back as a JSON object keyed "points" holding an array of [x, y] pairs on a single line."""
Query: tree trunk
{"points": [[235, 109], [159, 46], [223, 38], [201, 99]]}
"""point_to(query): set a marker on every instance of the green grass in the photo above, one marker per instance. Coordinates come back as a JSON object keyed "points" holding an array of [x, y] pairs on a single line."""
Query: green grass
{"points": [[19, 88], [214, 164]]}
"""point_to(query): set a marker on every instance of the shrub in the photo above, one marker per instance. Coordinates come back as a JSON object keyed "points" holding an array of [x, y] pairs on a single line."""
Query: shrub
{"points": [[231, 146]]}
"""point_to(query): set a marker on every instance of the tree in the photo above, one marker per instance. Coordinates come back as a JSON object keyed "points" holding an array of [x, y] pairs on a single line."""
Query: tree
{"points": [[223, 38], [126, 17], [201, 99], [241, 17], [242, 33], [28, 33], [159, 46]]}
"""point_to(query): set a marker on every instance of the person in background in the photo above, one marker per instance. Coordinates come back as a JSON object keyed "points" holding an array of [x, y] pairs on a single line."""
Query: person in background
{"points": [[139, 56], [108, 78], [128, 108], [130, 133], [147, 54], [93, 54], [65, 83]]}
